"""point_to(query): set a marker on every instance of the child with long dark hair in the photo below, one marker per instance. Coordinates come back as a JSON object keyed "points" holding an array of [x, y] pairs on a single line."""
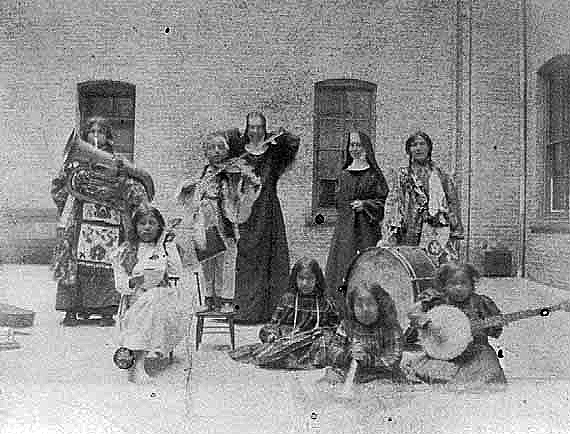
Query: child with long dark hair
{"points": [[370, 334], [302, 309], [478, 363], [145, 267], [423, 208]]}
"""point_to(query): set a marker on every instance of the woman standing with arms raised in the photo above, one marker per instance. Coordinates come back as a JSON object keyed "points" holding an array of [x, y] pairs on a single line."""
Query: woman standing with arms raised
{"points": [[361, 193], [262, 265]]}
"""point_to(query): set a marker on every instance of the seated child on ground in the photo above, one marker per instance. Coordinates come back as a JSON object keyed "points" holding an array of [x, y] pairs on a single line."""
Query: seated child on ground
{"points": [[370, 334], [303, 308], [479, 362]]}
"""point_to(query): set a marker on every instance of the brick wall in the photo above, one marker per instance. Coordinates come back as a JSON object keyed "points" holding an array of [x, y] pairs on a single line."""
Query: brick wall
{"points": [[223, 58], [548, 253], [492, 116]]}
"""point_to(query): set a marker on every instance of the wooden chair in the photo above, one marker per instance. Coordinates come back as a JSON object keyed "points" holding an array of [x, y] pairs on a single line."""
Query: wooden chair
{"points": [[124, 305], [203, 327]]}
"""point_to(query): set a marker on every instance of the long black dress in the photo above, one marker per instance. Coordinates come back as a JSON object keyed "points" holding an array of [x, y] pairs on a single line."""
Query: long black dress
{"points": [[355, 231], [262, 265]]}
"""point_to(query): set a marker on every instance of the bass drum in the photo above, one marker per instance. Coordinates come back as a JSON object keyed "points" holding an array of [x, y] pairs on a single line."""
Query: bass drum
{"points": [[403, 272]]}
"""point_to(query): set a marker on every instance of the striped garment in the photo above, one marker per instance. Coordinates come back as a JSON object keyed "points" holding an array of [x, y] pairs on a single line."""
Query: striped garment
{"points": [[381, 347]]}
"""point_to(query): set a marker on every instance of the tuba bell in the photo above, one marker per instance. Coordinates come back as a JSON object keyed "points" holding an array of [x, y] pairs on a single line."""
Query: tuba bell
{"points": [[96, 176]]}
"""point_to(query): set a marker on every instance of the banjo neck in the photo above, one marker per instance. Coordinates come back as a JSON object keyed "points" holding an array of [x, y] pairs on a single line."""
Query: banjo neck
{"points": [[452, 330], [504, 319]]}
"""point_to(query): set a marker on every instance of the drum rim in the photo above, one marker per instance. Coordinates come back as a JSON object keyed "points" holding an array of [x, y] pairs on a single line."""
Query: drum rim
{"points": [[398, 254], [395, 252]]}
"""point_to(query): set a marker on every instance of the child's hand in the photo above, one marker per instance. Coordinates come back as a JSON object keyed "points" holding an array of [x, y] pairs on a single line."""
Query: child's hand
{"points": [[357, 205], [136, 281], [280, 131], [357, 351], [389, 241]]}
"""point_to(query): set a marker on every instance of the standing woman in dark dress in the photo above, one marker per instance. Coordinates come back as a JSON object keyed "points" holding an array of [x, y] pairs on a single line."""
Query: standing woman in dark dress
{"points": [[361, 193], [262, 265]]}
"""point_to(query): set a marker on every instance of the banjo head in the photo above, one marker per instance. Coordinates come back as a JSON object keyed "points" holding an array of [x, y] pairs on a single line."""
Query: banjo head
{"points": [[448, 333]]}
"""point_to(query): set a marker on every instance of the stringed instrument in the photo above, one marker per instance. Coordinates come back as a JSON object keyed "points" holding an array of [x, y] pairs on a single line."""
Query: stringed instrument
{"points": [[242, 187], [282, 347], [448, 331]]}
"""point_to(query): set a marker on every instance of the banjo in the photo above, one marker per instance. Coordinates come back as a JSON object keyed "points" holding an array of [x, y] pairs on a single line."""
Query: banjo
{"points": [[449, 331]]}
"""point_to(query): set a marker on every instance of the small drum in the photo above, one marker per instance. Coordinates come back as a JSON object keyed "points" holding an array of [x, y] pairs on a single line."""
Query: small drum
{"points": [[403, 272]]}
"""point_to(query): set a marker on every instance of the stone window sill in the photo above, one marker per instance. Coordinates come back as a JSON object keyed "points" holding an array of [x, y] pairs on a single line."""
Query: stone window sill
{"points": [[550, 227]]}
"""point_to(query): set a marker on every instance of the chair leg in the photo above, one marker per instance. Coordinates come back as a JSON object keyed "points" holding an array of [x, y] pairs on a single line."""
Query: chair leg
{"points": [[171, 357], [199, 330], [232, 333]]}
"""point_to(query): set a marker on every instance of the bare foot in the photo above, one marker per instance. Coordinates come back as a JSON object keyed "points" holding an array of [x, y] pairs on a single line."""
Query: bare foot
{"points": [[346, 394], [139, 376], [143, 377]]}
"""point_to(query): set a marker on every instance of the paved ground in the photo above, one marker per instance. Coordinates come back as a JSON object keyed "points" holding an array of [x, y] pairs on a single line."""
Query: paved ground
{"points": [[63, 380]]}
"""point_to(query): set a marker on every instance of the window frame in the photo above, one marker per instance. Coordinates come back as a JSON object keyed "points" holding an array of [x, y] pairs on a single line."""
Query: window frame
{"points": [[109, 89], [557, 66], [341, 84]]}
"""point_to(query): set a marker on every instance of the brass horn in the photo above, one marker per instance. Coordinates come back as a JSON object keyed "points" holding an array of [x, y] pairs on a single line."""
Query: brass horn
{"points": [[81, 152], [90, 169]]}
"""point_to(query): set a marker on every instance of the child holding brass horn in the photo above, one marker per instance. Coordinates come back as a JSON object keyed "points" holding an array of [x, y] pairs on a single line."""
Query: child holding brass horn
{"points": [[89, 228]]}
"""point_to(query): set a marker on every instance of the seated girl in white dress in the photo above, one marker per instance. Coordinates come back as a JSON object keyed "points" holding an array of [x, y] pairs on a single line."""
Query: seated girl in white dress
{"points": [[147, 268]]}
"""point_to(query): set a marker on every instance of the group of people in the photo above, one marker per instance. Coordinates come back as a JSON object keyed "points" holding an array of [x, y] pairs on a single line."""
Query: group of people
{"points": [[119, 255], [308, 331], [123, 256]]}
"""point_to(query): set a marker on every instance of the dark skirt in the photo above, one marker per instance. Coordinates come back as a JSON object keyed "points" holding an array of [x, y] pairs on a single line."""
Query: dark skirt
{"points": [[478, 364], [262, 264], [93, 292]]}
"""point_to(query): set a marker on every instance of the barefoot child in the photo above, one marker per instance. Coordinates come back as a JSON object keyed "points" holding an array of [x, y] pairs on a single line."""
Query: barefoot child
{"points": [[369, 334], [144, 266], [478, 363]]}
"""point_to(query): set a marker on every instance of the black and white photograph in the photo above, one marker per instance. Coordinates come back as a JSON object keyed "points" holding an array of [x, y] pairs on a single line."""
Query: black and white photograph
{"points": [[284, 217]]}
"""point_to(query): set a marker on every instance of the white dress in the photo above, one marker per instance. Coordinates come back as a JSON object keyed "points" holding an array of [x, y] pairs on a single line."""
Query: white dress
{"points": [[159, 314]]}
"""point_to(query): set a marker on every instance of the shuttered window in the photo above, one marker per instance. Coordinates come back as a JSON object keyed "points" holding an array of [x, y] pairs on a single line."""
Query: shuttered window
{"points": [[115, 101], [340, 105]]}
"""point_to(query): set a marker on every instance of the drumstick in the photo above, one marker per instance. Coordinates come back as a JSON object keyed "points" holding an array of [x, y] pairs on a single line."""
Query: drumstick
{"points": [[349, 381]]}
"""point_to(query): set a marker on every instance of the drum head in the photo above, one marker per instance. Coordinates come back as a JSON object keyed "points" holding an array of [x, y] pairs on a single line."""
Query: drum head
{"points": [[402, 272]]}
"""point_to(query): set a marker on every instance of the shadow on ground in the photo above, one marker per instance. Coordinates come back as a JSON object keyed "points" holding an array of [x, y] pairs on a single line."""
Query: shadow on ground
{"points": [[63, 380]]}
